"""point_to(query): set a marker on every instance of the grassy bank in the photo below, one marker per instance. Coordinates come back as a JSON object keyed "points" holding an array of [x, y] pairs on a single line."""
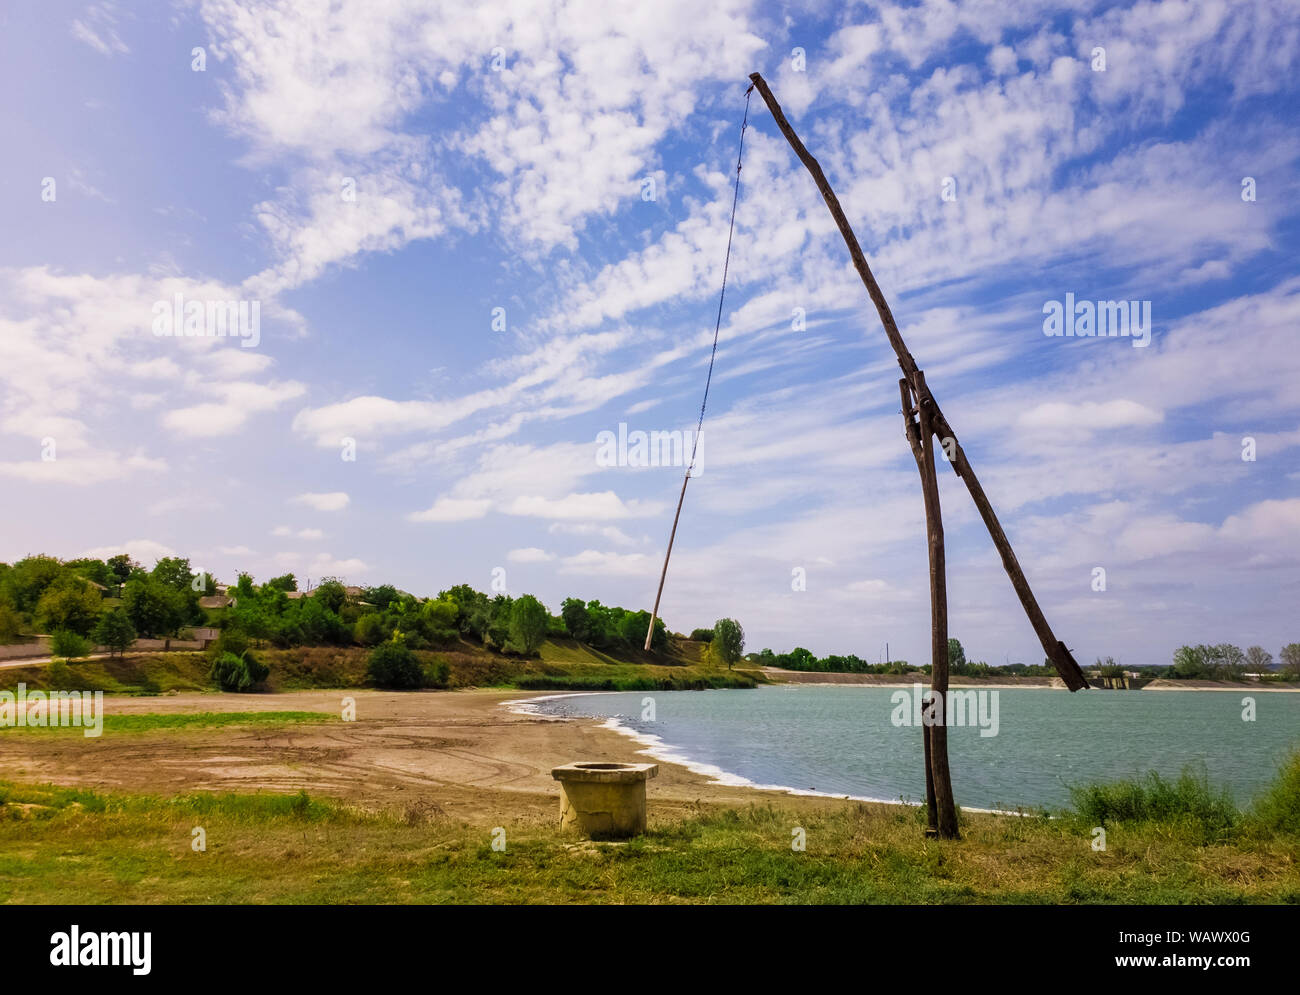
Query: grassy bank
{"points": [[69, 846], [150, 722], [563, 664]]}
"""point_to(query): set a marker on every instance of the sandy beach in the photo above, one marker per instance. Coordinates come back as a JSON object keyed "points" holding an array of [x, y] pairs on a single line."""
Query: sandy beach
{"points": [[462, 754]]}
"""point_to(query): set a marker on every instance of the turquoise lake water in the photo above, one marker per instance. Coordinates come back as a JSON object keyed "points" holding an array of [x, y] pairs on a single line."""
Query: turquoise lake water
{"points": [[841, 740]]}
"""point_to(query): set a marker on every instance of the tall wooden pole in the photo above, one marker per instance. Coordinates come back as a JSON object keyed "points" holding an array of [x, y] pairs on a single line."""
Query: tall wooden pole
{"points": [[943, 798], [940, 804], [650, 632], [1055, 650]]}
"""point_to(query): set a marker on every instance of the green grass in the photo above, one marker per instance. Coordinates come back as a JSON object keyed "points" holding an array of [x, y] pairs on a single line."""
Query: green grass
{"points": [[60, 845], [1189, 801], [1278, 810], [150, 722]]}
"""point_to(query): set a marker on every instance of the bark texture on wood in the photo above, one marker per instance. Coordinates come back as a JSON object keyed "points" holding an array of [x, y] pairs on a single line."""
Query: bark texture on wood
{"points": [[945, 806], [1056, 651], [913, 433]]}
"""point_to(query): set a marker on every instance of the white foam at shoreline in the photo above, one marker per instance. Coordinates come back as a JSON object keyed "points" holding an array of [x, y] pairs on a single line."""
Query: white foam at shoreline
{"points": [[657, 749]]}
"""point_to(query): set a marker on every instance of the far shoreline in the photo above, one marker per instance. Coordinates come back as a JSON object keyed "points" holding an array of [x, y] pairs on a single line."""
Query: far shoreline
{"points": [[778, 678]]}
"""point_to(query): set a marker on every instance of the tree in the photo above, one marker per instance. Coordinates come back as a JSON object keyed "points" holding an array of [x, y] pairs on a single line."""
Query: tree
{"points": [[393, 665], [69, 645], [286, 583], [1109, 668], [114, 630], [441, 613], [703, 635], [174, 571], [96, 570], [1259, 659], [1290, 655], [122, 567], [154, 608], [496, 629], [371, 629], [28, 579], [633, 627], [574, 613], [728, 643], [956, 655], [70, 603], [332, 594], [10, 623], [528, 618], [381, 597], [1190, 662]]}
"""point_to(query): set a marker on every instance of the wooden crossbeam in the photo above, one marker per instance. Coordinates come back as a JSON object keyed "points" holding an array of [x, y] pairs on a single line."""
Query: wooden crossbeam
{"points": [[933, 423]]}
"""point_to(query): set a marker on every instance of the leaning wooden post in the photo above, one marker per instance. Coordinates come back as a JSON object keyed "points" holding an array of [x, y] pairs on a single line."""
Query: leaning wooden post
{"points": [[942, 809], [1055, 650], [944, 804], [913, 433], [650, 632]]}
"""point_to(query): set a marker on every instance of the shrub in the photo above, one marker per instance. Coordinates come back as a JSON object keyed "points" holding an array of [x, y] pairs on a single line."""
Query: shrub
{"points": [[237, 673], [232, 640], [702, 635], [442, 637], [371, 630], [69, 645], [437, 675], [1278, 810], [1154, 799], [393, 665], [58, 677]]}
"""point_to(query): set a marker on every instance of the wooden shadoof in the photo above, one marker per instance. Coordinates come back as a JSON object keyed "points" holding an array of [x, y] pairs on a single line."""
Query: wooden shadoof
{"points": [[925, 427]]}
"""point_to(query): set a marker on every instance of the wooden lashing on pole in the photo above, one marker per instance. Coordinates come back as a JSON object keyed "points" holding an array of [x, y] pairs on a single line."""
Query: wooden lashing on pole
{"points": [[932, 427]]}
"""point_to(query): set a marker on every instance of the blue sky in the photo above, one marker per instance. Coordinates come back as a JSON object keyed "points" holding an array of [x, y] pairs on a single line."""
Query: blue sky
{"points": [[500, 158]]}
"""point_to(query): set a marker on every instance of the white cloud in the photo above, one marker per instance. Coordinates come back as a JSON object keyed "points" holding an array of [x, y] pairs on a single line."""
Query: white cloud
{"points": [[600, 506], [331, 501], [599, 563], [98, 29], [284, 530], [146, 552], [529, 554], [452, 510], [81, 469]]}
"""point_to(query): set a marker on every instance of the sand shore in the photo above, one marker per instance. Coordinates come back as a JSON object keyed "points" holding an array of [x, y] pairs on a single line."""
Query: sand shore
{"points": [[460, 753]]}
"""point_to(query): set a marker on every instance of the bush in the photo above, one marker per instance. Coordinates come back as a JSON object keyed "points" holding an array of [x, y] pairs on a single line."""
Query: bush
{"points": [[393, 665], [69, 645], [237, 673], [371, 630], [437, 675], [442, 637], [702, 635], [1278, 811], [232, 640], [1153, 799], [58, 677]]}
